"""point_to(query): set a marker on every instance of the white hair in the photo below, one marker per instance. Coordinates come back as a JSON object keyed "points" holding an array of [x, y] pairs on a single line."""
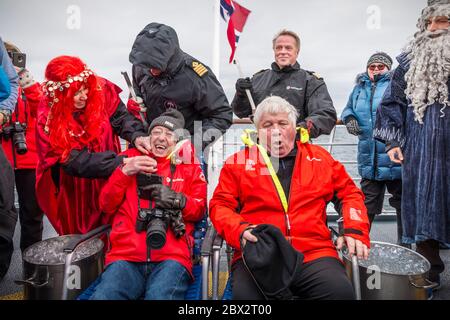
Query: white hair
{"points": [[430, 64], [275, 105]]}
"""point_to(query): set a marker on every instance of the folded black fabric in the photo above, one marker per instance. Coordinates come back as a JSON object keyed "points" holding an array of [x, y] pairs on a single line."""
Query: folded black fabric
{"points": [[272, 261]]}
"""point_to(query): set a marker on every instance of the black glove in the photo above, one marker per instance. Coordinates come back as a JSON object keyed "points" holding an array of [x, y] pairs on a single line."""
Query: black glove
{"points": [[353, 126], [243, 84], [166, 198]]}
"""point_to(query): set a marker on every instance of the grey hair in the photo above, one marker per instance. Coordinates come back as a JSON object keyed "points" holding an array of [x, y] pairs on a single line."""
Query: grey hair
{"points": [[274, 105], [430, 68]]}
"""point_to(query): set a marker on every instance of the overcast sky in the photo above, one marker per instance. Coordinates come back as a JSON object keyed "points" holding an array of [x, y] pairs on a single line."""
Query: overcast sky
{"points": [[337, 36]]}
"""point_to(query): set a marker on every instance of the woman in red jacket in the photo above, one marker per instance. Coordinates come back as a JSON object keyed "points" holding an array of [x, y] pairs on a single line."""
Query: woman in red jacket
{"points": [[79, 123], [22, 156], [140, 263], [294, 199]]}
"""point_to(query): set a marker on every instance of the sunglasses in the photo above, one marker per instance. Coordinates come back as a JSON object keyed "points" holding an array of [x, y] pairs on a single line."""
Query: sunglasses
{"points": [[372, 67]]}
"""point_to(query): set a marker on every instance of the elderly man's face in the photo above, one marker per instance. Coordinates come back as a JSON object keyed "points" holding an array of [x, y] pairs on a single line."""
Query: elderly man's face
{"points": [[286, 51], [162, 141], [437, 23], [277, 134]]}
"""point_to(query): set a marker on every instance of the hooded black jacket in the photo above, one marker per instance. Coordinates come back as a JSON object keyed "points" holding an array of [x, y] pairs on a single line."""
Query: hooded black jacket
{"points": [[301, 88], [185, 83]]}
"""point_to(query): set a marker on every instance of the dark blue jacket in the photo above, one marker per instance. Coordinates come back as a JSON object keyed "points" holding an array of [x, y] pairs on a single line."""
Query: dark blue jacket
{"points": [[373, 162]]}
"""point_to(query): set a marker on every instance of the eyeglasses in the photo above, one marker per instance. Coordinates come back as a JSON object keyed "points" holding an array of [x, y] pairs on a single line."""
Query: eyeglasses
{"points": [[380, 67]]}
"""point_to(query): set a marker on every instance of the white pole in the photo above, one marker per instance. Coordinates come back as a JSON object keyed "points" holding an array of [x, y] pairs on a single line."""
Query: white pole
{"points": [[216, 40], [249, 95]]}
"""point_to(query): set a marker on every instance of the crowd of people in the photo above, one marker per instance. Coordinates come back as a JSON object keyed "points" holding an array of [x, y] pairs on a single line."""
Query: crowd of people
{"points": [[60, 150]]}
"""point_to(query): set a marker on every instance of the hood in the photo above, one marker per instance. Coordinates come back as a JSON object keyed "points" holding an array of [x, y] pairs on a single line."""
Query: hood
{"points": [[364, 77], [156, 46]]}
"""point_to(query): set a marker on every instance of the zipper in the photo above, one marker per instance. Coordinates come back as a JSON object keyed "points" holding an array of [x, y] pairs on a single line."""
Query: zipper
{"points": [[373, 88], [253, 277], [288, 223]]}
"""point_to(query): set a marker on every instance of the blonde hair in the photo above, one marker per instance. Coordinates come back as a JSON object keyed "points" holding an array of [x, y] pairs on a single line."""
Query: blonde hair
{"points": [[286, 32]]}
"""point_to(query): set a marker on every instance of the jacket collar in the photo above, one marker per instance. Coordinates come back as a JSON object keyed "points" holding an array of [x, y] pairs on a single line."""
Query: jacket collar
{"points": [[294, 67]]}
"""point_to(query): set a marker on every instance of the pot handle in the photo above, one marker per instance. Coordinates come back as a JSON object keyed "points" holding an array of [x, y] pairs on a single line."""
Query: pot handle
{"points": [[429, 285], [31, 282], [79, 238]]}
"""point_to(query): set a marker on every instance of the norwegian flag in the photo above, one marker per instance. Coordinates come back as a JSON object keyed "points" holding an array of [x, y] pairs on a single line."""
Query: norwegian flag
{"points": [[236, 16]]}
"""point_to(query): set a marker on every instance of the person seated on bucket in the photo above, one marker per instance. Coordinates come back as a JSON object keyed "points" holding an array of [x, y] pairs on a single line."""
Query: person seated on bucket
{"points": [[153, 202], [293, 199]]}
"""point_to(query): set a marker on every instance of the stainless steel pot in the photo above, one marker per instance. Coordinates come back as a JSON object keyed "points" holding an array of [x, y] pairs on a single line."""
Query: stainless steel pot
{"points": [[391, 273], [62, 267]]}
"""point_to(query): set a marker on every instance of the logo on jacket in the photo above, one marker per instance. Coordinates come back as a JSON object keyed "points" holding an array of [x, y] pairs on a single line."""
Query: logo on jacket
{"points": [[355, 214], [250, 165], [170, 104], [313, 159], [293, 88]]}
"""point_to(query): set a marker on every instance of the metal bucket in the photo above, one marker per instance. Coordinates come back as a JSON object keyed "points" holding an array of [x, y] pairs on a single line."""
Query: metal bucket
{"points": [[62, 267], [392, 272]]}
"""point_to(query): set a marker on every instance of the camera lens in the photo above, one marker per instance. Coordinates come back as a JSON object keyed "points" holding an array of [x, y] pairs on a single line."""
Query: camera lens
{"points": [[20, 142], [156, 233]]}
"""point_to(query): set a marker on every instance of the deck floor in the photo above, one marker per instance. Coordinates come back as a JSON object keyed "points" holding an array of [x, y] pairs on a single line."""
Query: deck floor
{"points": [[381, 231]]}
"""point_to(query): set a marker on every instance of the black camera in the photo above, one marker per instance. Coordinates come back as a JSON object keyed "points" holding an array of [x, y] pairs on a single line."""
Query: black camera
{"points": [[18, 59], [156, 221], [16, 131]]}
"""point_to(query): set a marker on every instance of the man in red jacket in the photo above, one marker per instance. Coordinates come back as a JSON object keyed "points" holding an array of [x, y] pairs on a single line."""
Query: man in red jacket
{"points": [[19, 143], [293, 198], [141, 262]]}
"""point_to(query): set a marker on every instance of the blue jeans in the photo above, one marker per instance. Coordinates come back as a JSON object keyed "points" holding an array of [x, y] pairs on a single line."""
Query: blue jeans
{"points": [[124, 280]]}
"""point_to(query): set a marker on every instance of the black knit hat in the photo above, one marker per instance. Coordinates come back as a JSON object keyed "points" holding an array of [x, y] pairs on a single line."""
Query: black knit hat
{"points": [[171, 119], [380, 57]]}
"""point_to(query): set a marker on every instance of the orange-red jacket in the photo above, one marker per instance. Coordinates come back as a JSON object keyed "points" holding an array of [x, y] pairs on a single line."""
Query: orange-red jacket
{"points": [[247, 195], [25, 112], [119, 201]]}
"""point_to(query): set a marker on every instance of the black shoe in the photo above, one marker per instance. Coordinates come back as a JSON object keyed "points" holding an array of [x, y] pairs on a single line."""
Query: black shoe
{"points": [[3, 271]]}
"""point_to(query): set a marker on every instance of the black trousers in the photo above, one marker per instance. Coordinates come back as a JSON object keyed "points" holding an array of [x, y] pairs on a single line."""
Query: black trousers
{"points": [[374, 192], [30, 215], [8, 213], [321, 279], [430, 250]]}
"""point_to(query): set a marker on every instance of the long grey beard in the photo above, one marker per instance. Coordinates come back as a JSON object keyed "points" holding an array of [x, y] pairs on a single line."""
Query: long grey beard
{"points": [[428, 74]]}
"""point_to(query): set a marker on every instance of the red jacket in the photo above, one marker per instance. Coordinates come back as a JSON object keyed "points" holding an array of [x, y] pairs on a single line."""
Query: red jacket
{"points": [[316, 178], [27, 110], [119, 202]]}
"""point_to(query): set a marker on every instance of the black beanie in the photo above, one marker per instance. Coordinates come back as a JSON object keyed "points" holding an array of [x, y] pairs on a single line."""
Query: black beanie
{"points": [[171, 119], [380, 57]]}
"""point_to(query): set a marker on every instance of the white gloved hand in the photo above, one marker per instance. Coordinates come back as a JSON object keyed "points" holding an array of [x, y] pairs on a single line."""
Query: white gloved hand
{"points": [[141, 103]]}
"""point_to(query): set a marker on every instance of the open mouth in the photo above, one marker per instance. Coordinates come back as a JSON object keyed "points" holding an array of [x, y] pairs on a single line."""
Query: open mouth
{"points": [[160, 147]]}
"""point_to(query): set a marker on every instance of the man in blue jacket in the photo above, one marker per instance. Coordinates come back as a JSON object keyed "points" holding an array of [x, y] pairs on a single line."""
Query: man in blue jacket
{"points": [[375, 168], [8, 214]]}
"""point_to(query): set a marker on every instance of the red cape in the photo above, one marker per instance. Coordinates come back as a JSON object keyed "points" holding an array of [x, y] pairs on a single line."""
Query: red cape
{"points": [[74, 208]]}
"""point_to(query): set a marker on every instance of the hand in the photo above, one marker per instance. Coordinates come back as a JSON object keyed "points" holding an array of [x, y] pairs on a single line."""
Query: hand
{"points": [[354, 246], [25, 78], [396, 155], [243, 84], [138, 164], [143, 144], [248, 236], [166, 198], [353, 126]]}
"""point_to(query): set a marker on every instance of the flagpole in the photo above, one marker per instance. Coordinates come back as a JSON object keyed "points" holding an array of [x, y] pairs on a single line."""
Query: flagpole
{"points": [[247, 91], [216, 40]]}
